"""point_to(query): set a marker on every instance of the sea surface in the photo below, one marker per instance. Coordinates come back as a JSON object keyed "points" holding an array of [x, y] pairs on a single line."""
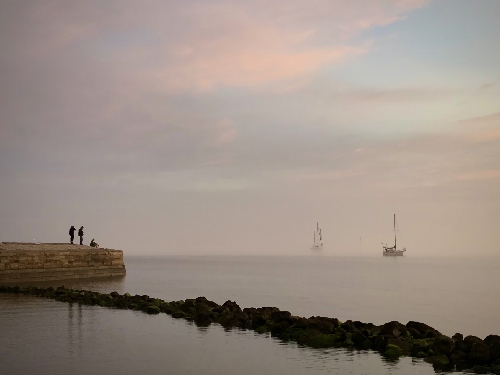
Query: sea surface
{"points": [[42, 336]]}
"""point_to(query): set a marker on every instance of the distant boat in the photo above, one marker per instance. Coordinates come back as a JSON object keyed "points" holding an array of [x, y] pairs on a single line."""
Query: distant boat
{"points": [[318, 239], [392, 251]]}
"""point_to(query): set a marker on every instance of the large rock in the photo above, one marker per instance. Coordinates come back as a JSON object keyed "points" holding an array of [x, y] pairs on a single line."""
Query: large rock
{"points": [[358, 325], [267, 311], [232, 306], [393, 329], [481, 369], [348, 326], [201, 315], [438, 360], [280, 316], [443, 345], [322, 324], [393, 352], [414, 333], [495, 367], [299, 322], [378, 342], [423, 345], [340, 333], [358, 338], [188, 305], [480, 353], [278, 328], [458, 341], [153, 309], [178, 314], [493, 341], [203, 300], [469, 342], [405, 346], [258, 319], [423, 329]]}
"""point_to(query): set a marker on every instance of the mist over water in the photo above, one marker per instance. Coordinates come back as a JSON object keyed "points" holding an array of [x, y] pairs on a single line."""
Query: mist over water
{"points": [[48, 337]]}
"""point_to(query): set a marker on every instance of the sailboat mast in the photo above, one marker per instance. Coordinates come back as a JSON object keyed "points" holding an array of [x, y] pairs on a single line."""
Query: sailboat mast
{"points": [[394, 232]]}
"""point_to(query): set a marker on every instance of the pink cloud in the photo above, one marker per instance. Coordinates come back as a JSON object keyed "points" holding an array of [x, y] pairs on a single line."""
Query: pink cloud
{"points": [[248, 67], [480, 175], [224, 133], [329, 175], [199, 46], [482, 128]]}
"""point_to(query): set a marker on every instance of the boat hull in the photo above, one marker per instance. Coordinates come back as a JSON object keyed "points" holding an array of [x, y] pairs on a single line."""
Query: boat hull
{"points": [[393, 253]]}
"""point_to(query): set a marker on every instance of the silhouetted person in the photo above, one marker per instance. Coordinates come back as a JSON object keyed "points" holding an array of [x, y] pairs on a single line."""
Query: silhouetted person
{"points": [[94, 244], [72, 233], [80, 233]]}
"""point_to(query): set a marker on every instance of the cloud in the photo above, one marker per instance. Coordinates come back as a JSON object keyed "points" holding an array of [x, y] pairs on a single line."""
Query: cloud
{"points": [[197, 46], [125, 86], [397, 95], [480, 175], [335, 175], [481, 128], [245, 67], [226, 133]]}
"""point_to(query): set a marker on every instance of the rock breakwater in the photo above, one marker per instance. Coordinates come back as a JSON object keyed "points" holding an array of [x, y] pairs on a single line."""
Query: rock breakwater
{"points": [[392, 339]]}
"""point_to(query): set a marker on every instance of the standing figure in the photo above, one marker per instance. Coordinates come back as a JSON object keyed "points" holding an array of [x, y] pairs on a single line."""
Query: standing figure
{"points": [[80, 233], [72, 233]]}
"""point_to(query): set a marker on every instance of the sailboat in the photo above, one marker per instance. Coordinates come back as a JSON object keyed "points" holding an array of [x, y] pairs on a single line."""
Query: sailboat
{"points": [[317, 245], [392, 251]]}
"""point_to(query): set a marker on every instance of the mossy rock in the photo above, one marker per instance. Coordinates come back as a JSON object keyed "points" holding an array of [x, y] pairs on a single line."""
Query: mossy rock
{"points": [[262, 329], [348, 343], [340, 333], [279, 328], [153, 309], [438, 360], [423, 343], [322, 340], [393, 351], [379, 342], [481, 369], [214, 316], [292, 334], [178, 314], [166, 308], [495, 369], [365, 345]]}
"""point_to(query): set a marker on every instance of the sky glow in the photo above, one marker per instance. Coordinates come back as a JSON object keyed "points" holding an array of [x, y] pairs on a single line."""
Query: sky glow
{"points": [[232, 127]]}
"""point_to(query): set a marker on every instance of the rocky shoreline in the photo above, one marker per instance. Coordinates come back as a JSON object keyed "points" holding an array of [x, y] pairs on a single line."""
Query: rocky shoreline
{"points": [[392, 339]]}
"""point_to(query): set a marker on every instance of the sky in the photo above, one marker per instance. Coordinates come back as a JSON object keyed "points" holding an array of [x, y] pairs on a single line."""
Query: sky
{"points": [[212, 127]]}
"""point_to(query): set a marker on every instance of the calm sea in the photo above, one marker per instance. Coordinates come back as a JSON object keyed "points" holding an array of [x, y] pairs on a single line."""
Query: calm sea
{"points": [[40, 336]]}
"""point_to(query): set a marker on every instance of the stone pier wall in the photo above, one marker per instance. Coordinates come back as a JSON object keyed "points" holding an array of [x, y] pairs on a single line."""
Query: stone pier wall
{"points": [[26, 262]]}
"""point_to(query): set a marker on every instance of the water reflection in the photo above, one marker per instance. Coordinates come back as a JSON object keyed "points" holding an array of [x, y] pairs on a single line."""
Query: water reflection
{"points": [[70, 328]]}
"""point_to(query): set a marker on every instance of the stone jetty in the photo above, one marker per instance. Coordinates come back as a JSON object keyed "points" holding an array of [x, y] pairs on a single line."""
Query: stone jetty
{"points": [[29, 262], [392, 339]]}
